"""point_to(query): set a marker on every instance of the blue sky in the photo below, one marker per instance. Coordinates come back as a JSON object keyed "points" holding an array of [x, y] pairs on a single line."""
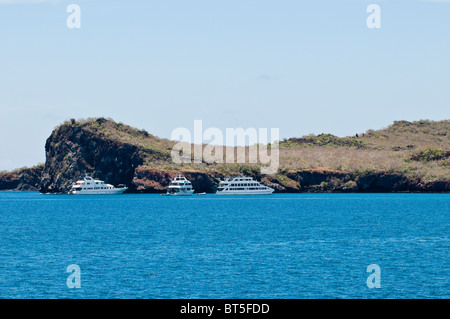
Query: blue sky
{"points": [[300, 66]]}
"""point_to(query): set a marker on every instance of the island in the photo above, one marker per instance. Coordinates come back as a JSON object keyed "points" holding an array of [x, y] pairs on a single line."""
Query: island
{"points": [[404, 157]]}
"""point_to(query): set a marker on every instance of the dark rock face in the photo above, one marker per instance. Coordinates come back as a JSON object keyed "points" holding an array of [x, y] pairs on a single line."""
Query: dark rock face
{"points": [[311, 181], [152, 181], [317, 180], [72, 151], [26, 179], [419, 185], [390, 182], [383, 182]]}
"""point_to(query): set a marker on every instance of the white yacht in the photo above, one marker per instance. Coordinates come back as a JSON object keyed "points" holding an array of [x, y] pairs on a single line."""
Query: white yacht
{"points": [[180, 186], [242, 186], [86, 185]]}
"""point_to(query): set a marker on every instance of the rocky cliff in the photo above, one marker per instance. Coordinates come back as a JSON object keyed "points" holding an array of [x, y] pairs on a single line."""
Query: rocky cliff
{"points": [[24, 179], [73, 150]]}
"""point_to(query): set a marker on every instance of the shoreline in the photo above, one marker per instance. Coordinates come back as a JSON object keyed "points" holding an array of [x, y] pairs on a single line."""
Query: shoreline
{"points": [[159, 193]]}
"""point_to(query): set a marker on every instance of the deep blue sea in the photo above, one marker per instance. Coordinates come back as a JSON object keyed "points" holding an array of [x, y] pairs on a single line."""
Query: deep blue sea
{"points": [[278, 246]]}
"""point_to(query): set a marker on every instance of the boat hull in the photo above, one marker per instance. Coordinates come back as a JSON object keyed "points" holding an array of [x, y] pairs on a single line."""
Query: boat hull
{"points": [[268, 192], [180, 194], [116, 191]]}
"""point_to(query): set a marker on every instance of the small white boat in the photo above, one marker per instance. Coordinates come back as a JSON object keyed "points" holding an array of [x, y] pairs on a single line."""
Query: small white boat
{"points": [[242, 186], [86, 185], [180, 186]]}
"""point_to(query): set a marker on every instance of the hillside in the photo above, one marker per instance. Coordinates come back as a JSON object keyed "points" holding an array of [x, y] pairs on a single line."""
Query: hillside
{"points": [[406, 156], [418, 149]]}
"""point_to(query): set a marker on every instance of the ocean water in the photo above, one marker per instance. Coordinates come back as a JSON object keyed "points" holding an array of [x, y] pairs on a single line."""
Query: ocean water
{"points": [[278, 246]]}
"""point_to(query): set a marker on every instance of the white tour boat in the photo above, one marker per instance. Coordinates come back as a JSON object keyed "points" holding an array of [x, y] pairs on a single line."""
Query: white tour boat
{"points": [[180, 186], [242, 186], [86, 185]]}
